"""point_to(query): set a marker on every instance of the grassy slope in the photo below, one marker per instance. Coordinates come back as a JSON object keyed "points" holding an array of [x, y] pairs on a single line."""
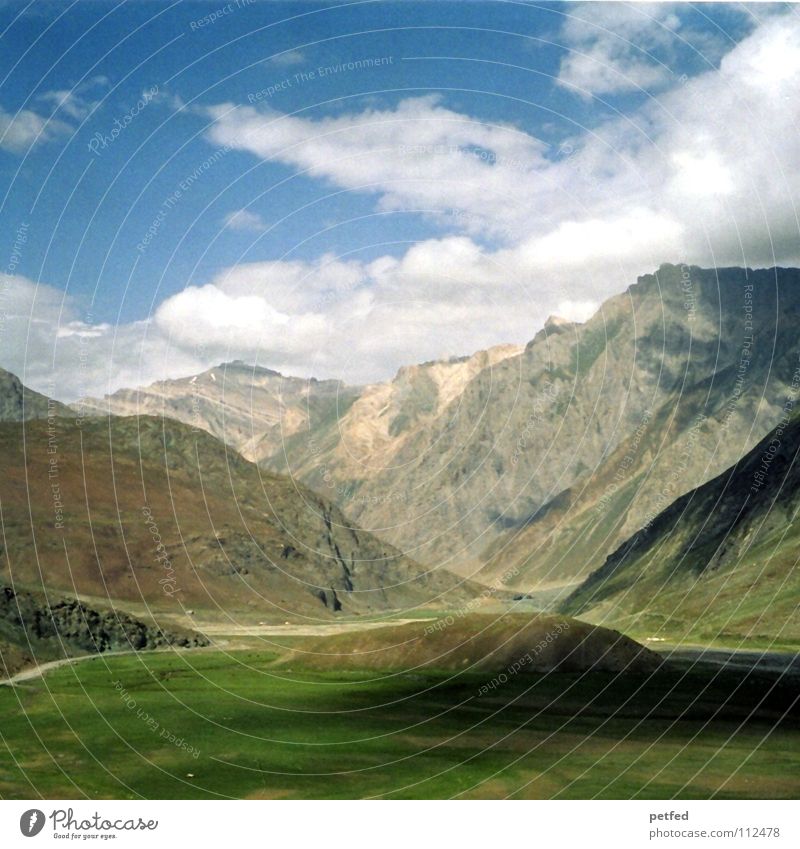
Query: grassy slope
{"points": [[238, 538], [719, 564], [263, 731], [475, 641]]}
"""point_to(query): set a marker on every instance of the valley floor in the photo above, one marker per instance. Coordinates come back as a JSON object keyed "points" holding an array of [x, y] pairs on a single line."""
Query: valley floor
{"points": [[212, 724]]}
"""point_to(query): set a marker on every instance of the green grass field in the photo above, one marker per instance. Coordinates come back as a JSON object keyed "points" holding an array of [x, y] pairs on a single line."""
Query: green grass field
{"points": [[204, 724]]}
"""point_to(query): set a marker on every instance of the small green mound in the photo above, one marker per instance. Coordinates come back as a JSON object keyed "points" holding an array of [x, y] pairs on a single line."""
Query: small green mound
{"points": [[481, 642]]}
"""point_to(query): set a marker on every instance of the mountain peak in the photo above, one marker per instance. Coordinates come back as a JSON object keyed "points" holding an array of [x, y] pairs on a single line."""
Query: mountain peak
{"points": [[242, 366], [553, 326], [557, 323]]}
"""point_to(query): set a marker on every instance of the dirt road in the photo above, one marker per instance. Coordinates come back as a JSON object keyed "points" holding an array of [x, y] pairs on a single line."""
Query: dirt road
{"points": [[293, 630], [212, 630], [39, 671]]}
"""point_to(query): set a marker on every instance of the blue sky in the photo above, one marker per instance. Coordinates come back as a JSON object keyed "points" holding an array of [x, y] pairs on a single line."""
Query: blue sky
{"points": [[341, 219]]}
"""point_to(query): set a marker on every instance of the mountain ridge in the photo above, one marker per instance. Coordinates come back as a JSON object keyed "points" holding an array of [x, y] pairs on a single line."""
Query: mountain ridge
{"points": [[535, 424], [535, 462], [720, 560]]}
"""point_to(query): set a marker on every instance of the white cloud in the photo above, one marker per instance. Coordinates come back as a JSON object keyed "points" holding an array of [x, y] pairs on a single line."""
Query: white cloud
{"points": [[361, 320], [418, 155], [638, 235], [680, 172], [710, 176], [69, 102], [213, 320], [707, 173], [579, 311], [601, 70], [243, 219], [676, 178], [615, 47], [54, 346], [701, 174], [288, 58], [21, 130], [773, 58]]}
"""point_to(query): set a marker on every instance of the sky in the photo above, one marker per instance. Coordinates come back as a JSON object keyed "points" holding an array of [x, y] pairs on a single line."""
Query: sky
{"points": [[341, 189]]}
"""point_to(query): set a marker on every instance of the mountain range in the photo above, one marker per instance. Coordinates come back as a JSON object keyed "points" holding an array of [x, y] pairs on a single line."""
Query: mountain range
{"points": [[526, 464], [721, 366], [252, 409], [524, 468]]}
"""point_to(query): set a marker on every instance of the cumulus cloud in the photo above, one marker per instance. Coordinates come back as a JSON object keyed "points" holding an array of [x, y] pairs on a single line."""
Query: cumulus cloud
{"points": [[617, 47], [707, 173], [210, 318], [53, 344]]}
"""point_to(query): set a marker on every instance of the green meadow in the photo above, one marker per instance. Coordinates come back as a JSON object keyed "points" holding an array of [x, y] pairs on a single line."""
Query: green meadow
{"points": [[207, 724]]}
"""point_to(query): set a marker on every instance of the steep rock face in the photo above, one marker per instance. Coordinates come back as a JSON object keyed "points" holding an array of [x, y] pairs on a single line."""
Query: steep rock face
{"points": [[320, 431], [529, 427], [721, 560], [365, 441], [18, 403], [738, 373]]}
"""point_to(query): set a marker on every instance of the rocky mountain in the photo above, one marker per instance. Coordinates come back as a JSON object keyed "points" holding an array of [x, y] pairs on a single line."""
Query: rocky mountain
{"points": [[721, 561], [18, 402], [297, 425], [585, 428], [150, 511], [528, 466], [365, 442], [252, 409], [739, 352]]}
